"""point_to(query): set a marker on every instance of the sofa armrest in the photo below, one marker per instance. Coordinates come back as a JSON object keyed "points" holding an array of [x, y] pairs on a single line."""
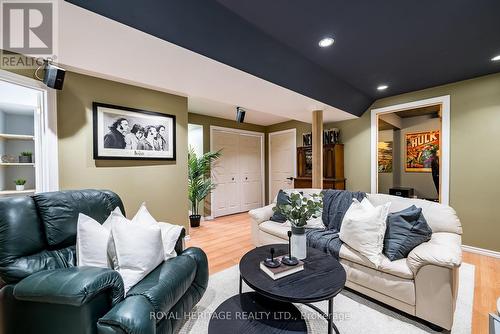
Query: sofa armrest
{"points": [[73, 286], [201, 278], [138, 313], [134, 315], [444, 250], [180, 245], [263, 214]]}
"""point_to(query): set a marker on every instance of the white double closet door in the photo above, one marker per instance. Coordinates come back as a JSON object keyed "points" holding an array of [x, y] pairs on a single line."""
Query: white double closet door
{"points": [[238, 174]]}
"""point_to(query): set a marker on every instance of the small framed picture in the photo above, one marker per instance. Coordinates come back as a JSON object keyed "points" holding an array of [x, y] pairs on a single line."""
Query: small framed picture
{"points": [[132, 134], [306, 139]]}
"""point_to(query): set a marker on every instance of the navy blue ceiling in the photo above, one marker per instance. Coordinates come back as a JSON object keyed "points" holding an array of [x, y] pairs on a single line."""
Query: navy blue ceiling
{"points": [[408, 45]]}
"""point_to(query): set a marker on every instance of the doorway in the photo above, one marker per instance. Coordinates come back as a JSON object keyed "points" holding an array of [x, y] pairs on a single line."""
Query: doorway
{"points": [[28, 136], [282, 161], [410, 150], [239, 172]]}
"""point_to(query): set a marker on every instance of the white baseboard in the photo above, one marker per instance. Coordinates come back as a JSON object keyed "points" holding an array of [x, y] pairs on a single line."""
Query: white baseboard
{"points": [[207, 218], [481, 251]]}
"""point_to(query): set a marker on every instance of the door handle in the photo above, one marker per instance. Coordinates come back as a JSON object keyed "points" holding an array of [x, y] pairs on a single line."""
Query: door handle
{"points": [[246, 178], [290, 178], [232, 179]]}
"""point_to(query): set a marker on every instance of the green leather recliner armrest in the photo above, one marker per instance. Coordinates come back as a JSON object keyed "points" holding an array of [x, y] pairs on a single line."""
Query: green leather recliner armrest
{"points": [[132, 316], [136, 314], [70, 286]]}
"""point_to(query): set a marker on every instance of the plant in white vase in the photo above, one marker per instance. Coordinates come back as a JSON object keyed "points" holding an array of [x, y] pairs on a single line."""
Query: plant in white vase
{"points": [[20, 184], [298, 211]]}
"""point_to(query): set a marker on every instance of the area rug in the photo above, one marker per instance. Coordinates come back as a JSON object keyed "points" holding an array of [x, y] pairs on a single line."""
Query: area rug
{"points": [[353, 313]]}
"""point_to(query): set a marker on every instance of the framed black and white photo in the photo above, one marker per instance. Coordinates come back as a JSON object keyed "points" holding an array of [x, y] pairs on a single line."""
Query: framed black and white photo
{"points": [[128, 133]]}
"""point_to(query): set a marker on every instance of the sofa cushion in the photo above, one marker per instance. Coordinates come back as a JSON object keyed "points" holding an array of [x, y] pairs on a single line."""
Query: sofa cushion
{"points": [[397, 268], [25, 266], [134, 249], [440, 217], [304, 191], [283, 199], [363, 228], [165, 285], [396, 287], [277, 229], [405, 230], [21, 232], [59, 211]]}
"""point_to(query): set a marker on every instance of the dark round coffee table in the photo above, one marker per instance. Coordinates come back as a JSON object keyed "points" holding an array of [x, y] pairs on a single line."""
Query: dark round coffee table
{"points": [[323, 278], [252, 313]]}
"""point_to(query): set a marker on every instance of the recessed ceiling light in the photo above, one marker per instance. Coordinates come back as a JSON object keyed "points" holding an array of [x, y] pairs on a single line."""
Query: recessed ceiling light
{"points": [[496, 58], [326, 42], [382, 87]]}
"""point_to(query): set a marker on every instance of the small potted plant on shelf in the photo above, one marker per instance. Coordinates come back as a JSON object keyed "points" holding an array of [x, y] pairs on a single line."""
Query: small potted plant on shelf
{"points": [[199, 182], [20, 184], [298, 211], [26, 157]]}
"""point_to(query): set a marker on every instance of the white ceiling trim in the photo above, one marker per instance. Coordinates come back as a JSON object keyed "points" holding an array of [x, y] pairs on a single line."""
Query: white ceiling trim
{"points": [[95, 45]]}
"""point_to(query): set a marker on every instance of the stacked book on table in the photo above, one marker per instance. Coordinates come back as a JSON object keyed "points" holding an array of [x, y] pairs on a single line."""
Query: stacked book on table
{"points": [[281, 271]]}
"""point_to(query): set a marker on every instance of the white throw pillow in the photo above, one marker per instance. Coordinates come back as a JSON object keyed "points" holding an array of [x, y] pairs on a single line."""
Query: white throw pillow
{"points": [[363, 229], [136, 249], [92, 240], [169, 232]]}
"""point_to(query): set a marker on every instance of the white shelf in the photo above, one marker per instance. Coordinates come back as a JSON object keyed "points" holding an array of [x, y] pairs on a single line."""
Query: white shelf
{"points": [[16, 192], [17, 137], [7, 164]]}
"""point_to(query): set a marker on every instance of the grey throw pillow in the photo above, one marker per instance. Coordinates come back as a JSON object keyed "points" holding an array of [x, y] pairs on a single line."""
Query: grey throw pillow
{"points": [[406, 229], [283, 199]]}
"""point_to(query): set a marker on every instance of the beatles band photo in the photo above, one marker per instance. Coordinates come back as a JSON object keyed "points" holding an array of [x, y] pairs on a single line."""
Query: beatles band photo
{"points": [[127, 133]]}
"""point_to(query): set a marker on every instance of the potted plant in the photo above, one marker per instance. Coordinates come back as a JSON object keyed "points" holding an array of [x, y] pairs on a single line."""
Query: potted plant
{"points": [[298, 211], [20, 184], [199, 182], [26, 157]]}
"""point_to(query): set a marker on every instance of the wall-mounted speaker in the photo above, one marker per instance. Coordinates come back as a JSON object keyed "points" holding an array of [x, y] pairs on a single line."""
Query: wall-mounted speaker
{"points": [[54, 76], [240, 115]]}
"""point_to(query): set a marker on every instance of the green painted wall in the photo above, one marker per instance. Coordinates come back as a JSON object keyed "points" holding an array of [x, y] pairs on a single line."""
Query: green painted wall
{"points": [[134, 181], [474, 153], [162, 185]]}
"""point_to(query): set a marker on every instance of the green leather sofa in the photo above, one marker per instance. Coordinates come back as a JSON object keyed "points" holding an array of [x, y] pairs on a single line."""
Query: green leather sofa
{"points": [[43, 291]]}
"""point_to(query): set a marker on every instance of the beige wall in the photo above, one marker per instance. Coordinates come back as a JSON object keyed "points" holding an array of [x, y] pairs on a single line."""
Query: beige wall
{"points": [[162, 185]]}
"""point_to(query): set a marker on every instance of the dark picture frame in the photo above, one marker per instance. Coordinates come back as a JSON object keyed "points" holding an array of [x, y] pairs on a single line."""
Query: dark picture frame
{"points": [[123, 133]]}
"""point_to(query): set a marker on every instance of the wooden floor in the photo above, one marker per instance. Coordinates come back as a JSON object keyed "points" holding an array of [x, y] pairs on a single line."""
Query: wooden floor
{"points": [[226, 239]]}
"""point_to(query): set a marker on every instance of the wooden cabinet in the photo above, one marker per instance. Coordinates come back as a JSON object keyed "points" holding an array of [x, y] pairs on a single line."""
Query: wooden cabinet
{"points": [[333, 167]]}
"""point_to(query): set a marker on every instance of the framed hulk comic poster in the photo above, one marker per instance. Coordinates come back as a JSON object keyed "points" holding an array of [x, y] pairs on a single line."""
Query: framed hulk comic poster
{"points": [[421, 149]]}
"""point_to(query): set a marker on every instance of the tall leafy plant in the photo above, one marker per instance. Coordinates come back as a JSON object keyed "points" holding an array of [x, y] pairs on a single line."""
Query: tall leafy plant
{"points": [[199, 182]]}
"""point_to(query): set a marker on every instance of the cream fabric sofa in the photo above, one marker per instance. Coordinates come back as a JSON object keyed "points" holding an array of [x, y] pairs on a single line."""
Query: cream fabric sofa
{"points": [[424, 284]]}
